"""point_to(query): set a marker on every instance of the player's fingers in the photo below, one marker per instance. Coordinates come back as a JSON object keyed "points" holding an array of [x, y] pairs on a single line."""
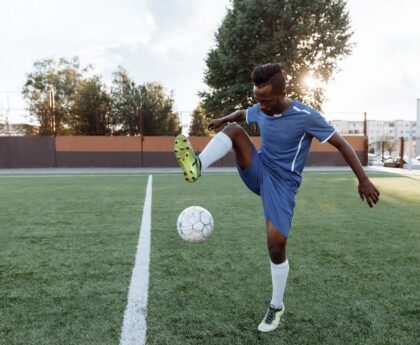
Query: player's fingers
{"points": [[361, 196]]}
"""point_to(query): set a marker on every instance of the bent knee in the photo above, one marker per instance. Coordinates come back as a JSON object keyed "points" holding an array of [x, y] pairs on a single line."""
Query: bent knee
{"points": [[233, 127], [236, 132], [277, 252]]}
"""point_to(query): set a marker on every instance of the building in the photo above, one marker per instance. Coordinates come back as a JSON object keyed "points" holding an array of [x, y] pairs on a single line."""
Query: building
{"points": [[384, 136]]}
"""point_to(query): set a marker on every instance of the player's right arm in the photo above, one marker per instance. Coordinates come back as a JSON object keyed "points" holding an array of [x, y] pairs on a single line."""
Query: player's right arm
{"points": [[236, 116]]}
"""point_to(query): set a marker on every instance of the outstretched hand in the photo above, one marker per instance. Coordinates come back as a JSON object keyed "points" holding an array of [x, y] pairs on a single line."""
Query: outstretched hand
{"points": [[369, 192]]}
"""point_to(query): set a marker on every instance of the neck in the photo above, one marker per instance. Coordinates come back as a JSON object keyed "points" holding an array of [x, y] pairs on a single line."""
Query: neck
{"points": [[286, 103]]}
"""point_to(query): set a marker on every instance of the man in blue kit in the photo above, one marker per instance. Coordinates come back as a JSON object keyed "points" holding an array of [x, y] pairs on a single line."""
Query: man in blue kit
{"points": [[287, 128]]}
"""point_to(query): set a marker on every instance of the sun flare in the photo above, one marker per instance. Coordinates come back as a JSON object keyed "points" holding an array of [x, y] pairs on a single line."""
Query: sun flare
{"points": [[311, 82]]}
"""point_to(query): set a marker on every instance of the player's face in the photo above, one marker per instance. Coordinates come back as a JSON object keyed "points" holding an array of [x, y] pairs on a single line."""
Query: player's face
{"points": [[270, 103]]}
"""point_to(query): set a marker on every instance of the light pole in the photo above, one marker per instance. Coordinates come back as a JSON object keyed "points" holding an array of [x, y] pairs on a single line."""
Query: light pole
{"points": [[52, 111], [418, 128], [7, 113], [410, 145]]}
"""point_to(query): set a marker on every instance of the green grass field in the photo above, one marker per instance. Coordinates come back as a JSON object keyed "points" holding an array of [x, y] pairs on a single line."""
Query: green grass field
{"points": [[67, 247]]}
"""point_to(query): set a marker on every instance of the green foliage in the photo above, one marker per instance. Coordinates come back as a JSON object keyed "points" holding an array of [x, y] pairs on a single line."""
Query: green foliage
{"points": [[2, 122], [26, 129], [91, 106], [85, 106], [126, 104], [304, 35], [159, 118], [130, 100], [199, 122], [62, 77]]}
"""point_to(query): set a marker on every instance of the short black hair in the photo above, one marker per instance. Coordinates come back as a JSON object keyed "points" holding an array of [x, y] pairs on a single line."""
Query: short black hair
{"points": [[269, 74]]}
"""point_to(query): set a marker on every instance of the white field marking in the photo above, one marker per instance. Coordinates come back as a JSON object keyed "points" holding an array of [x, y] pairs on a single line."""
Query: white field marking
{"points": [[134, 324], [73, 175]]}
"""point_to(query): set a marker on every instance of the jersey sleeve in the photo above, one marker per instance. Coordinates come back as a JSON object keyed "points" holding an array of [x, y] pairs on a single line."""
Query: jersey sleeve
{"points": [[318, 127], [252, 113]]}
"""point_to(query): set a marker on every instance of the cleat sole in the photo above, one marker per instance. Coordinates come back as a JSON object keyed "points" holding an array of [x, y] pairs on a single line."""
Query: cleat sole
{"points": [[187, 159]]}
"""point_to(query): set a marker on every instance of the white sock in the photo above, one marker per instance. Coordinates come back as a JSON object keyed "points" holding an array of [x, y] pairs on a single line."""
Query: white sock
{"points": [[217, 148], [279, 278]]}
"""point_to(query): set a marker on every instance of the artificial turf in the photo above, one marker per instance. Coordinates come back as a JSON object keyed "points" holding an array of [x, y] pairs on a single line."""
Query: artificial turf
{"points": [[67, 247]]}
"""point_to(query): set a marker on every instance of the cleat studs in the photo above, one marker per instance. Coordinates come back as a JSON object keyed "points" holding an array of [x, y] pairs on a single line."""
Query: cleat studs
{"points": [[186, 155], [193, 178], [186, 179], [185, 174], [176, 151], [176, 142]]}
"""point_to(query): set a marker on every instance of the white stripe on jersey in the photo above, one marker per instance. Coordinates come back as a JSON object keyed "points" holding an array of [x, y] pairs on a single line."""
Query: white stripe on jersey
{"points": [[329, 137], [297, 152], [302, 110]]}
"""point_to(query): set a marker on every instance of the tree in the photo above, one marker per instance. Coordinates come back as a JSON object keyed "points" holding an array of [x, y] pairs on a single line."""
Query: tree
{"points": [[199, 123], [26, 129], [91, 107], [126, 104], [62, 77], [2, 122], [129, 100], [159, 117], [390, 144], [306, 36]]}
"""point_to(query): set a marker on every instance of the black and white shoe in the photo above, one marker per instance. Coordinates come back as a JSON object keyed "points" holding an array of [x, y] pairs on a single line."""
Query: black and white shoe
{"points": [[271, 319]]}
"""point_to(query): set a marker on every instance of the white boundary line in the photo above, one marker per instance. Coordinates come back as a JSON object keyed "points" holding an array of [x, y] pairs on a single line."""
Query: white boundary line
{"points": [[134, 324]]}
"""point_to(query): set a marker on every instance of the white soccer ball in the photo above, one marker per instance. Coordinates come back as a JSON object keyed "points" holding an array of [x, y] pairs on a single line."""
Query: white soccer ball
{"points": [[195, 224]]}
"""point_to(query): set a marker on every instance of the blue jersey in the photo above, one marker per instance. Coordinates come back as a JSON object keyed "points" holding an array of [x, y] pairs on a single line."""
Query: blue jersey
{"points": [[286, 138]]}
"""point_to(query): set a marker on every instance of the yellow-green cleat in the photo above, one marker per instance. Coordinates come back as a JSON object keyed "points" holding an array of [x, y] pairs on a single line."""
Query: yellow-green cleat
{"points": [[187, 159]]}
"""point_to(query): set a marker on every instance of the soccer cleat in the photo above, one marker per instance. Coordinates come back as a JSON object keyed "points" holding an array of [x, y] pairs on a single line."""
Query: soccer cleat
{"points": [[271, 319], [187, 159]]}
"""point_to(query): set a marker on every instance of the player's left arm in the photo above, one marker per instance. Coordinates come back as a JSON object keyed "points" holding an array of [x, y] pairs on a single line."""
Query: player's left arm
{"points": [[366, 188]]}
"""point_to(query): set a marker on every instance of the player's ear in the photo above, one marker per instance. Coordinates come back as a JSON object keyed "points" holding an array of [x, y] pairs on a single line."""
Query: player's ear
{"points": [[282, 95]]}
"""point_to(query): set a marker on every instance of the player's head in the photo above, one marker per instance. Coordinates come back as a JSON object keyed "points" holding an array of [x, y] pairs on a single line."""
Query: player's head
{"points": [[269, 87]]}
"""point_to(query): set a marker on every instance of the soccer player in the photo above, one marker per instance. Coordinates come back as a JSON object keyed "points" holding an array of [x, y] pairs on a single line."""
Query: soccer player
{"points": [[287, 127]]}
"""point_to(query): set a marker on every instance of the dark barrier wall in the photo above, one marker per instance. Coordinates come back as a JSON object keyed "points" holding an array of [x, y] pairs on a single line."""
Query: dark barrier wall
{"points": [[85, 151], [27, 152]]}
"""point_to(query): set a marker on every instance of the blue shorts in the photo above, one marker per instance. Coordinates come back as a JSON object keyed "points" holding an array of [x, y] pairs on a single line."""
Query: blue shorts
{"points": [[276, 190]]}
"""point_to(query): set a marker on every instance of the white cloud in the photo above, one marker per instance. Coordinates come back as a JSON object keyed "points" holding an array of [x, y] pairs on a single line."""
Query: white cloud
{"points": [[167, 41], [380, 77], [155, 41]]}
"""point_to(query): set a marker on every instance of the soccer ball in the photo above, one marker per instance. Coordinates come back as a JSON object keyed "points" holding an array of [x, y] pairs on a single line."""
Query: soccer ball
{"points": [[195, 224]]}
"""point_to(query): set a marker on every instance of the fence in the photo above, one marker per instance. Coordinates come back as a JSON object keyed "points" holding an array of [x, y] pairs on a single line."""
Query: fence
{"points": [[152, 151]]}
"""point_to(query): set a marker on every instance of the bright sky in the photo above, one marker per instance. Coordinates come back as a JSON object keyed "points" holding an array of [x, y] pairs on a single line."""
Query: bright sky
{"points": [[167, 41]]}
